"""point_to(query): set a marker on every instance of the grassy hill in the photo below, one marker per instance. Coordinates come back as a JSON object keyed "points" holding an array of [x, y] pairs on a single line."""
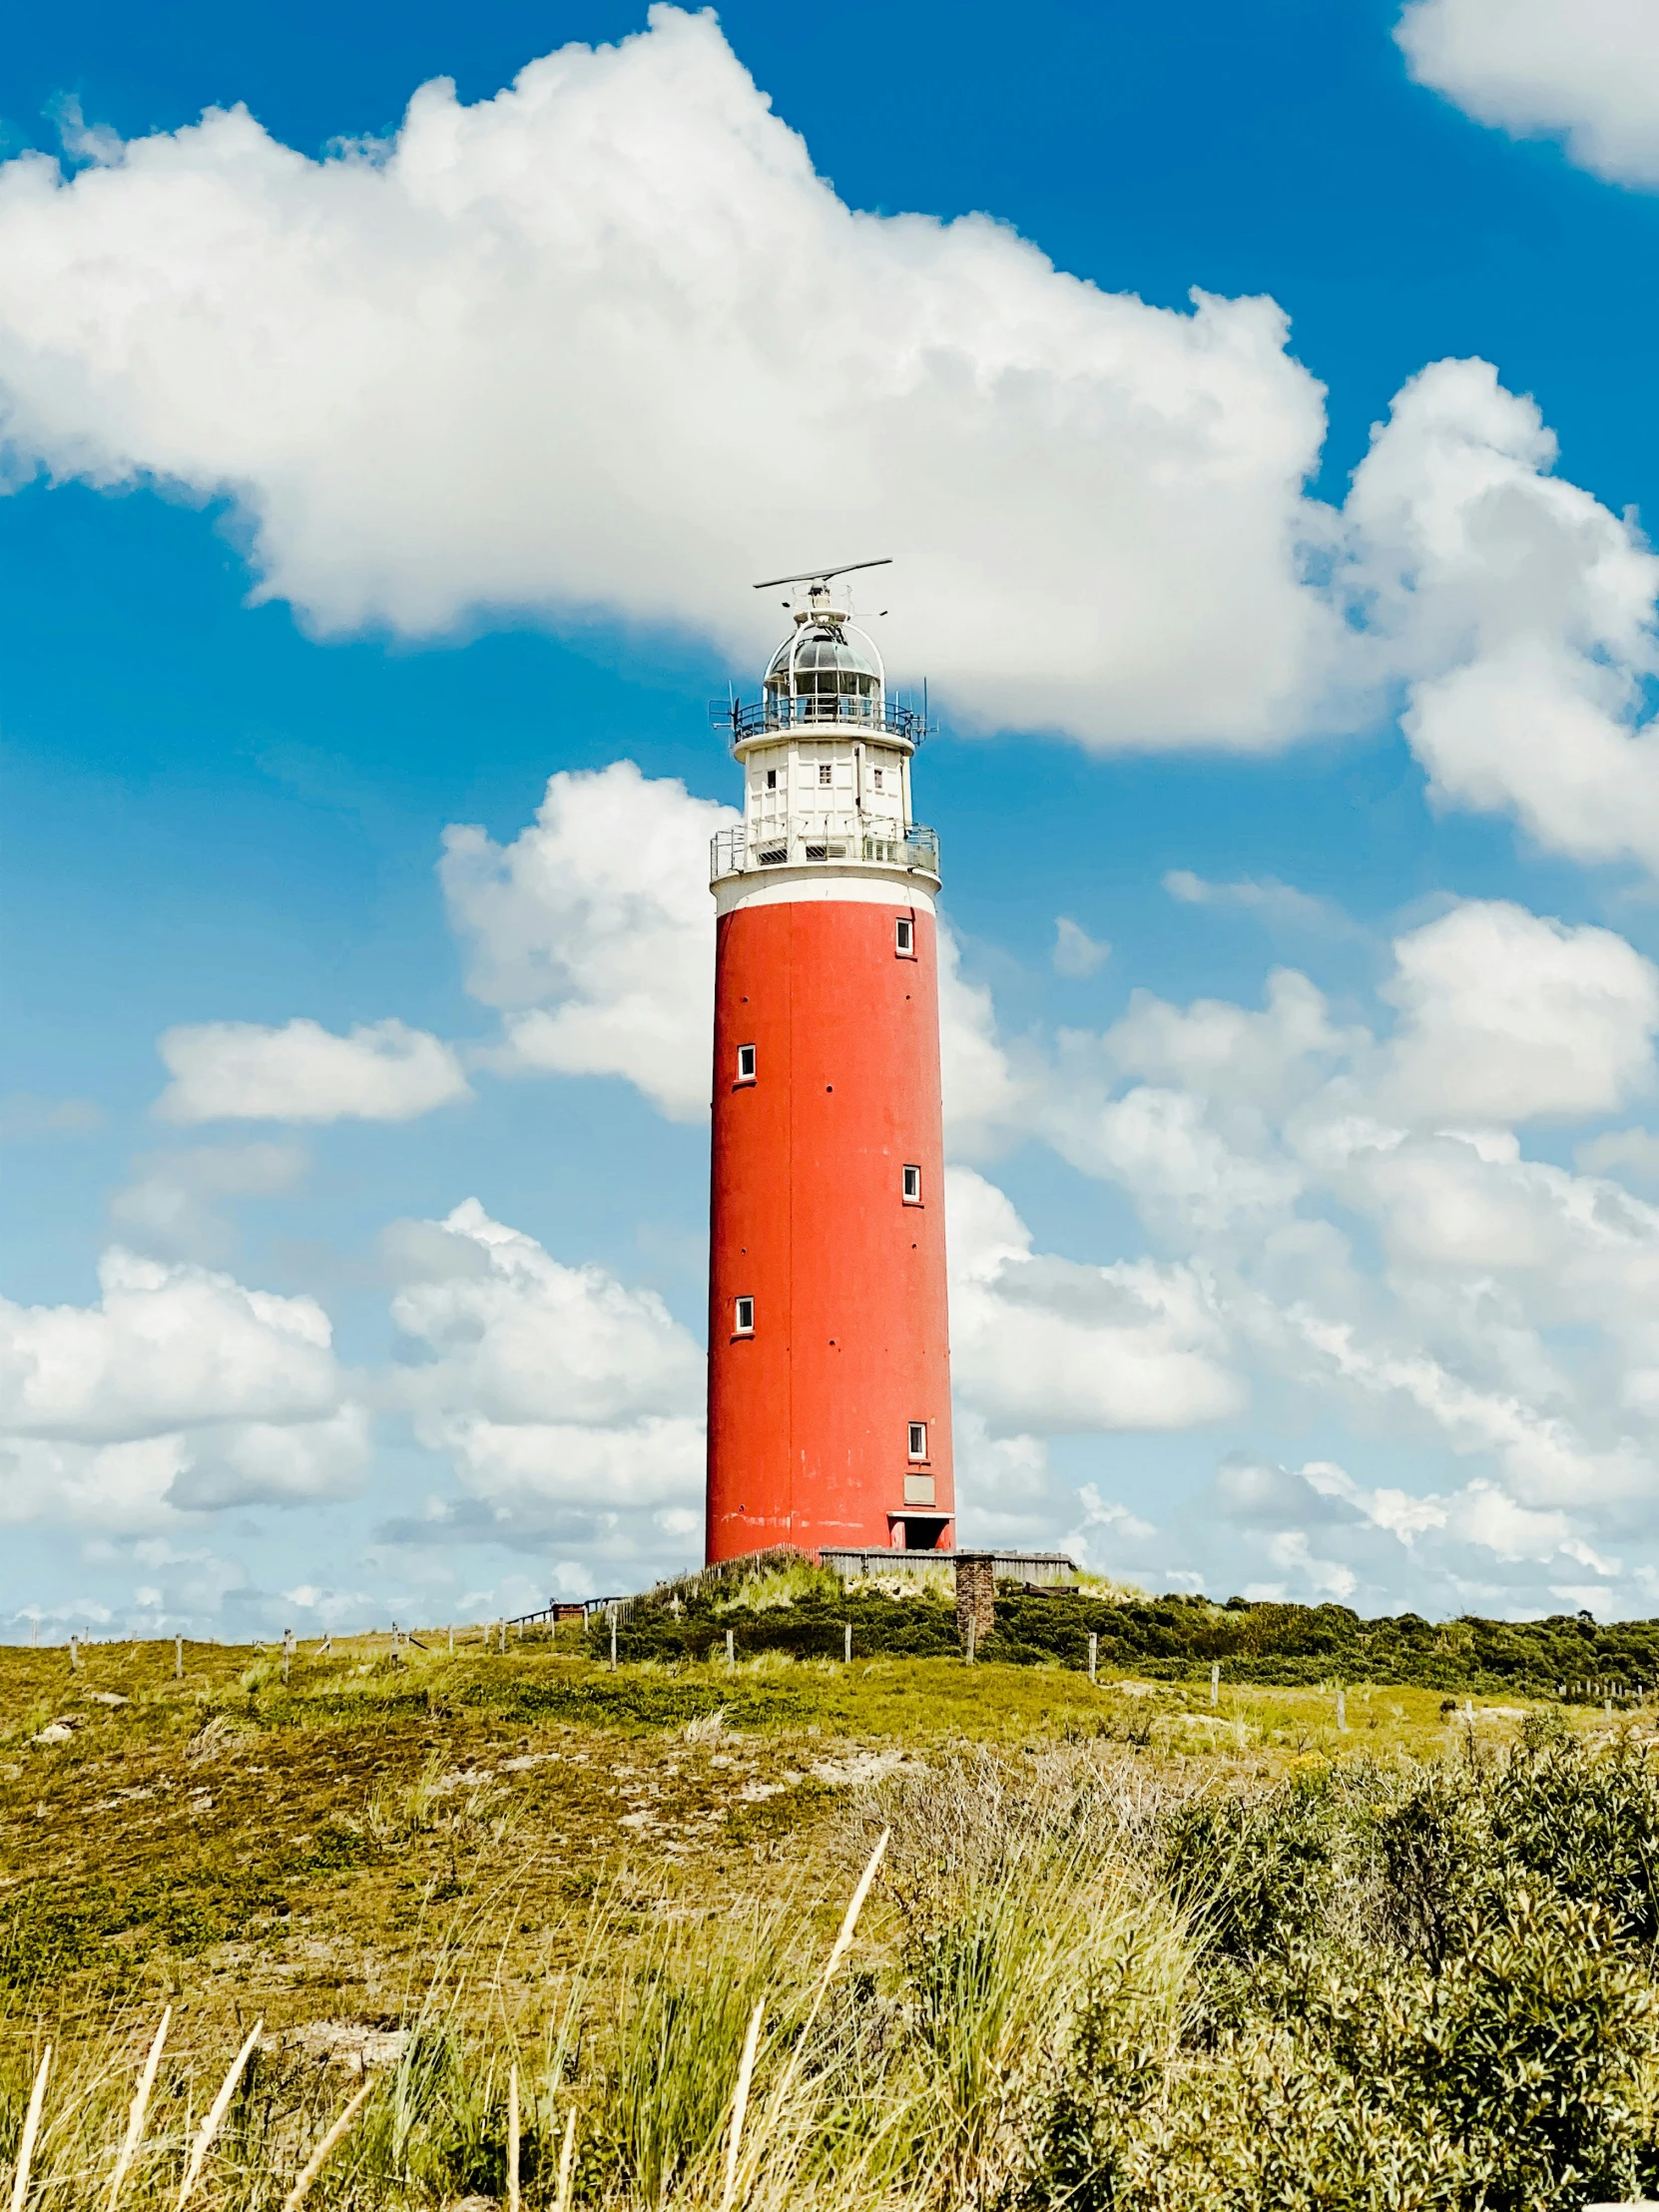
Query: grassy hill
{"points": [[1123, 1940]]}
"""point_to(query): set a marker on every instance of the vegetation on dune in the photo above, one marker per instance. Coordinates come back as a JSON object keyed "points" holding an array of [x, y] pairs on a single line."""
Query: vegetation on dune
{"points": [[804, 1611], [1084, 1976], [1126, 1946]]}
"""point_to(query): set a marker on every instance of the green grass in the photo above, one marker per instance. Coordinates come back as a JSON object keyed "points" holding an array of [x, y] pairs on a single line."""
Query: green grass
{"points": [[234, 1836], [1093, 1972], [1127, 1948]]}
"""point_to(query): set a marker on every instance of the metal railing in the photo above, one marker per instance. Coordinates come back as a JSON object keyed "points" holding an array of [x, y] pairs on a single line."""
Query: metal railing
{"points": [[800, 843], [843, 714]]}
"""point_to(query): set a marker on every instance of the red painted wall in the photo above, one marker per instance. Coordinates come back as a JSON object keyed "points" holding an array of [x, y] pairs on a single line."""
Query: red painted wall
{"points": [[808, 1417]]}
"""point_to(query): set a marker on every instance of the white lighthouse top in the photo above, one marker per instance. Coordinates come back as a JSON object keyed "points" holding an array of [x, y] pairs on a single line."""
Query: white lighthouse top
{"points": [[827, 768]]}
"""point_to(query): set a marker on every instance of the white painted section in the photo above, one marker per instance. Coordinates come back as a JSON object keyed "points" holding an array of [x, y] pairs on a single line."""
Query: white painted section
{"points": [[786, 886], [832, 787]]}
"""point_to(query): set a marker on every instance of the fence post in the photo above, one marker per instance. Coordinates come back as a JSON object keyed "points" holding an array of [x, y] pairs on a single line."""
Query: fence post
{"points": [[730, 1648], [1094, 1653], [287, 1650], [451, 1639], [613, 1639], [1342, 1711], [848, 1659], [177, 1658], [975, 1596], [503, 1638], [1214, 1683], [74, 1654]]}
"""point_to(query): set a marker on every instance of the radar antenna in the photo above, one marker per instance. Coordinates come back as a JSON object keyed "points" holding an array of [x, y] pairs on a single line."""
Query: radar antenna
{"points": [[824, 575]]}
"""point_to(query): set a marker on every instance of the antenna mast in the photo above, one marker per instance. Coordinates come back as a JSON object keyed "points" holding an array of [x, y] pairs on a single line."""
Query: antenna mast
{"points": [[824, 575]]}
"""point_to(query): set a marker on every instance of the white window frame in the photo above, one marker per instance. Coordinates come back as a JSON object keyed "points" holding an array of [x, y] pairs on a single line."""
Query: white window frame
{"points": [[746, 1053], [903, 938], [910, 1183], [825, 773], [917, 1442], [772, 779], [742, 1317]]}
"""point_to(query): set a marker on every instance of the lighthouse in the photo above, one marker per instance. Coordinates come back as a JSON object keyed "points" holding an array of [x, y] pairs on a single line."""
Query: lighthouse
{"points": [[829, 1334]]}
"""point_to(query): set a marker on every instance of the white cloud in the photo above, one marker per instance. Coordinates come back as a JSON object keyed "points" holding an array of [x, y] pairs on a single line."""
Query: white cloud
{"points": [[576, 348], [238, 1071], [1219, 1049], [1371, 1238], [1195, 1141], [1043, 1345], [1075, 953], [567, 1402], [180, 1389], [1519, 612], [984, 1098], [1585, 69], [1508, 1017], [594, 931], [1002, 1485], [572, 350]]}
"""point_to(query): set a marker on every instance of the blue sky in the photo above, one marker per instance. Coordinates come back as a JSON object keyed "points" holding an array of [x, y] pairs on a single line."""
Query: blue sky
{"points": [[358, 489]]}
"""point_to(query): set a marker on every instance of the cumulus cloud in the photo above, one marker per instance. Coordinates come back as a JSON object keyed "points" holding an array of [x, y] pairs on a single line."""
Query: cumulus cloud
{"points": [[569, 1405], [1516, 610], [180, 1389], [1583, 70], [572, 350], [593, 932], [238, 1071], [1043, 1345], [1371, 1236], [1322, 1536], [985, 1097], [575, 349], [1506, 1017]]}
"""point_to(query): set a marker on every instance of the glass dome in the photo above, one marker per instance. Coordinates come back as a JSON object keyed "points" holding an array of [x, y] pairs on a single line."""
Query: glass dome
{"points": [[824, 672]]}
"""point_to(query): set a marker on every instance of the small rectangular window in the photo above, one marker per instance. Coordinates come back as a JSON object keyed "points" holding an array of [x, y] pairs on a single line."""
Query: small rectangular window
{"points": [[918, 1440], [904, 937], [875, 778], [824, 772], [742, 1317], [913, 1186], [746, 1063], [772, 779]]}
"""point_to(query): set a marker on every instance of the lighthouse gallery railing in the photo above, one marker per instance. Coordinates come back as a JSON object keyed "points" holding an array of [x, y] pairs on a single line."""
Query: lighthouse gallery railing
{"points": [[737, 851]]}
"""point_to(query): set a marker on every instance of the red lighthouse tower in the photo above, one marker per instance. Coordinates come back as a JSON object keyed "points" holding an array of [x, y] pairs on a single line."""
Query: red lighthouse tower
{"points": [[829, 1336]]}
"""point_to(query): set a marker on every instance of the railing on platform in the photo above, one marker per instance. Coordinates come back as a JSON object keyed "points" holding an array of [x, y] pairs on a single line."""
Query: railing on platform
{"points": [[803, 842], [817, 714]]}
